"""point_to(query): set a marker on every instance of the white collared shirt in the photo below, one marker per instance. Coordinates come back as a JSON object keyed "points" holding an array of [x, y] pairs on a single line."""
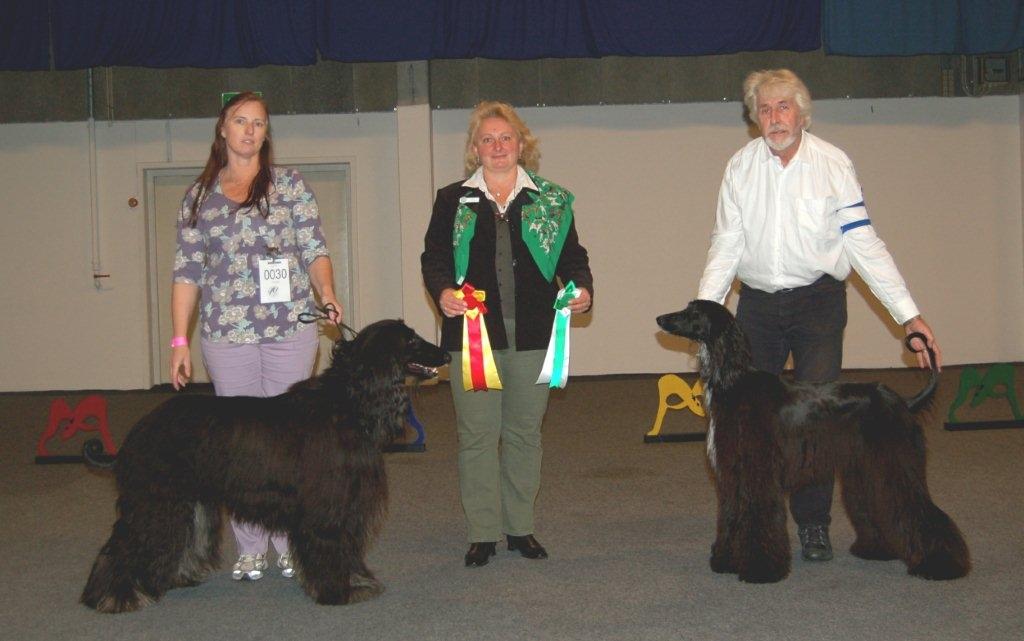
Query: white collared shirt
{"points": [[783, 227], [522, 180]]}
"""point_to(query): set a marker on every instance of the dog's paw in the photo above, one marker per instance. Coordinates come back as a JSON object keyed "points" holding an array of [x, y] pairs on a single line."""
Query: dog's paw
{"points": [[117, 604], [721, 560], [872, 551], [940, 566], [362, 587], [360, 593], [763, 571], [721, 564]]}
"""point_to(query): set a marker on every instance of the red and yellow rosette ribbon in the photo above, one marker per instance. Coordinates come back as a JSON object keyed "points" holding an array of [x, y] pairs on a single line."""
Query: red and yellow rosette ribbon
{"points": [[478, 370]]}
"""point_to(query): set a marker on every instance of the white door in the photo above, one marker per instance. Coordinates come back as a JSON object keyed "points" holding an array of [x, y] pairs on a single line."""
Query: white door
{"points": [[165, 188]]}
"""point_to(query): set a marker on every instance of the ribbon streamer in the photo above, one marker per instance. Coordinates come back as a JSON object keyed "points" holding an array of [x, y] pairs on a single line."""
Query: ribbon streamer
{"points": [[556, 362], [479, 372]]}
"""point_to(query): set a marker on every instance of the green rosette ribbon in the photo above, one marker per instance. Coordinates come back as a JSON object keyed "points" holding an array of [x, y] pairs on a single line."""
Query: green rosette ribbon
{"points": [[555, 370]]}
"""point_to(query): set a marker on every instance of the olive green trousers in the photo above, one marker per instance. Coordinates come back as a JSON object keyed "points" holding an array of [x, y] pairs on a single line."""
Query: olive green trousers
{"points": [[499, 445]]}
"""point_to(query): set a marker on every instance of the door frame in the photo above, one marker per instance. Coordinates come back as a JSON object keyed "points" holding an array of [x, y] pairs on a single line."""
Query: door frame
{"points": [[147, 172]]}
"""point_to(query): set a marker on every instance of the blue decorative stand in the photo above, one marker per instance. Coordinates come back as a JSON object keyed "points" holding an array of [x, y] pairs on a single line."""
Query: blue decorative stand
{"points": [[419, 445]]}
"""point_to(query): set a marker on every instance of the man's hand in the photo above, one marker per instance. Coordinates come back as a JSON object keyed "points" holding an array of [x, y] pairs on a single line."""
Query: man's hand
{"points": [[917, 324]]}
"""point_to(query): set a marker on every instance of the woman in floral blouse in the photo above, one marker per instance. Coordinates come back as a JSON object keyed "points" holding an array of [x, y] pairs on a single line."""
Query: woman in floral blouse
{"points": [[508, 232], [251, 252]]}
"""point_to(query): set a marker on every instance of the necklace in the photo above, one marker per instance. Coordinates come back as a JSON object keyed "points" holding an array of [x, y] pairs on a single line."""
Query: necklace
{"points": [[504, 187], [497, 193]]}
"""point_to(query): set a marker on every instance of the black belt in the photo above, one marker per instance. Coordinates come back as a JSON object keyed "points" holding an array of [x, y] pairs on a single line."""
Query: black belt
{"points": [[824, 281]]}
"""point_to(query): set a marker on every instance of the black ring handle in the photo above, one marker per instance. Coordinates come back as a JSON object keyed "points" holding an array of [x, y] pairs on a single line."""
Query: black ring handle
{"points": [[912, 336]]}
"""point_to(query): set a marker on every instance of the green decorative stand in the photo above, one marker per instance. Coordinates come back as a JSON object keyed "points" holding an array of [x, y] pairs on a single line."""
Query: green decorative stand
{"points": [[996, 383]]}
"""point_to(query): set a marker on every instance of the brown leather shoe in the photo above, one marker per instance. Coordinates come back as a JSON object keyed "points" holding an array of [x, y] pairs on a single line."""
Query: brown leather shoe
{"points": [[527, 546], [479, 554]]}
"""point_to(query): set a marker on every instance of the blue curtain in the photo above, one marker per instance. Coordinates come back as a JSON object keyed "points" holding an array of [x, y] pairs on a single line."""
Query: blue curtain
{"points": [[183, 33], [372, 30], [991, 26], [246, 33], [355, 30], [24, 37], [909, 27]]}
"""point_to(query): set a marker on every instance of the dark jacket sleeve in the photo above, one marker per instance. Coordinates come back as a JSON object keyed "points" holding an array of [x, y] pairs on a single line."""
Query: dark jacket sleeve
{"points": [[437, 261], [574, 263]]}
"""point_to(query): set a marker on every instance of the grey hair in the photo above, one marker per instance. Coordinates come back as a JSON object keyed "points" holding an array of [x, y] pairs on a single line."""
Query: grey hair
{"points": [[784, 79]]}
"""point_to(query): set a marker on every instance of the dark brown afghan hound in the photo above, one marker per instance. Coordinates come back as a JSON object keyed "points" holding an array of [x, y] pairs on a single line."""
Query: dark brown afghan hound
{"points": [[768, 436], [308, 462]]}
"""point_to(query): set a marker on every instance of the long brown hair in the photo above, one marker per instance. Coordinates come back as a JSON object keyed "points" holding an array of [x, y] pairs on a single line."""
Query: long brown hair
{"points": [[260, 188]]}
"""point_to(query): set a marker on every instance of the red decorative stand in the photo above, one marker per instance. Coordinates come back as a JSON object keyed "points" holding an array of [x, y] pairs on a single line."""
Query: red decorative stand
{"points": [[65, 423]]}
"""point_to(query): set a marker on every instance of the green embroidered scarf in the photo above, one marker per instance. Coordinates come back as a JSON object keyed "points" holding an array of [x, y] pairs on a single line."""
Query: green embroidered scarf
{"points": [[546, 220]]}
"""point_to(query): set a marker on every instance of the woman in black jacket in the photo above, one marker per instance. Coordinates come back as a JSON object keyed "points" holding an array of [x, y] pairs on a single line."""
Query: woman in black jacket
{"points": [[510, 233]]}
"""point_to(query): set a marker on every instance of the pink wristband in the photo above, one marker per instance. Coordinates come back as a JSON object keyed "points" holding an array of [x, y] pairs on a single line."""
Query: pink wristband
{"points": [[179, 341]]}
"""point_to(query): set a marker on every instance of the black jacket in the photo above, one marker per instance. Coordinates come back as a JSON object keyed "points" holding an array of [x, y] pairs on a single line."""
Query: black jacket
{"points": [[535, 296]]}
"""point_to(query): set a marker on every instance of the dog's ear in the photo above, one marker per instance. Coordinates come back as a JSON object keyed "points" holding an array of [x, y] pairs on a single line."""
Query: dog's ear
{"points": [[342, 348]]}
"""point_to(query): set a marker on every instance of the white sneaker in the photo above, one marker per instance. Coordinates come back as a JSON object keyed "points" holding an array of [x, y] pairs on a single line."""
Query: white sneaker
{"points": [[249, 566], [285, 563]]}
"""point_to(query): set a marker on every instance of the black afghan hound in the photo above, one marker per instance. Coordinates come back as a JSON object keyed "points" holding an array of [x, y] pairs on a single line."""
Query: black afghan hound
{"points": [[768, 436], [308, 462]]}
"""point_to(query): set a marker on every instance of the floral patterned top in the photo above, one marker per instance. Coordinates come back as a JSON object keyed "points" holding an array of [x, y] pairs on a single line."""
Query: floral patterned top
{"points": [[221, 254]]}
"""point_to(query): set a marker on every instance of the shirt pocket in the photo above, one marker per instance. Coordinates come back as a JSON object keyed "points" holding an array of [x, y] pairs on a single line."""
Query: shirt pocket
{"points": [[813, 218]]}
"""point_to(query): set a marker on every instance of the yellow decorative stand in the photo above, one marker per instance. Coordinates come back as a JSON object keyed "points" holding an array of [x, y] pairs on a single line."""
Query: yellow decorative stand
{"points": [[671, 385]]}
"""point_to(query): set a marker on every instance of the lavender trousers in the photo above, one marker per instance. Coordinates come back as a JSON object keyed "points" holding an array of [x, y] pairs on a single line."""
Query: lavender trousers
{"points": [[263, 369]]}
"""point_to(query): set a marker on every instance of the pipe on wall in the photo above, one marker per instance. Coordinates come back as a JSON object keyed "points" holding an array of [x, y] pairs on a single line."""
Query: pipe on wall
{"points": [[94, 207]]}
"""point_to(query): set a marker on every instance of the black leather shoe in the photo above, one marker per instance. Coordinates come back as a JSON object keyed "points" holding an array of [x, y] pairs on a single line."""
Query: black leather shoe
{"points": [[479, 554], [527, 546]]}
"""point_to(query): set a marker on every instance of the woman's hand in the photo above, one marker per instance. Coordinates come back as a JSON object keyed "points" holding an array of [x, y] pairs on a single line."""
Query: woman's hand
{"points": [[335, 314], [181, 366], [581, 303], [184, 297], [450, 305]]}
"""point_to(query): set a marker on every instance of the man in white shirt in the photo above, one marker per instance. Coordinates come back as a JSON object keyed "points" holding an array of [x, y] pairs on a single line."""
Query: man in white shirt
{"points": [[791, 222]]}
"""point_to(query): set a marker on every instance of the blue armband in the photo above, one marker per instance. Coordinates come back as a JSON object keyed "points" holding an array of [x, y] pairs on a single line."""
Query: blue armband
{"points": [[855, 224]]}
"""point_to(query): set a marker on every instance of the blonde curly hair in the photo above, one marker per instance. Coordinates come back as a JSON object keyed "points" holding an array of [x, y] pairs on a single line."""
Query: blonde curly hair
{"points": [[530, 156]]}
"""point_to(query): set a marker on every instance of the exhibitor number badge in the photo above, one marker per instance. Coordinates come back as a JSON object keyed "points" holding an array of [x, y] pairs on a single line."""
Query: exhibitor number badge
{"points": [[275, 281]]}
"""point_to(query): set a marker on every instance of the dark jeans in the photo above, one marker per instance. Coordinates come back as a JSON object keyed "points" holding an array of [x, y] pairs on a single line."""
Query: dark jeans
{"points": [[809, 322]]}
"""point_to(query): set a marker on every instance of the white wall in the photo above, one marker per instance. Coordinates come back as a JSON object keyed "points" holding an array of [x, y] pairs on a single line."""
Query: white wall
{"points": [[942, 179], [58, 331]]}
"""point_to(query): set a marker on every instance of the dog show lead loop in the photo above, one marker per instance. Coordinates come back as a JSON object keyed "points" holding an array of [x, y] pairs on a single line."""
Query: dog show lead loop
{"points": [[910, 337], [325, 314]]}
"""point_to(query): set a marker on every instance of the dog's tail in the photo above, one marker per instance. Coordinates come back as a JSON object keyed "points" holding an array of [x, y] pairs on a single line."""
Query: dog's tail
{"points": [[925, 395], [95, 456]]}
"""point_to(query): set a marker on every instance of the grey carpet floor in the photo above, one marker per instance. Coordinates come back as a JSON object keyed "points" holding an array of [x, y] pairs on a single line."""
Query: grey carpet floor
{"points": [[628, 526]]}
